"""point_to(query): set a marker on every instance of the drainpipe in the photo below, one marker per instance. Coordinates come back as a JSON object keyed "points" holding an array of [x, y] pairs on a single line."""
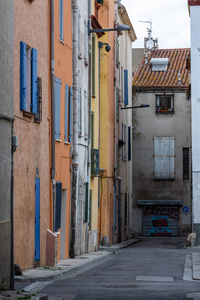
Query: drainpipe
{"points": [[89, 124], [52, 110], [75, 155]]}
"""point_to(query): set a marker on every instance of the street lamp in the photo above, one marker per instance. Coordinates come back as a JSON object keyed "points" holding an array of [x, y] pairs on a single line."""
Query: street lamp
{"points": [[143, 105], [121, 27]]}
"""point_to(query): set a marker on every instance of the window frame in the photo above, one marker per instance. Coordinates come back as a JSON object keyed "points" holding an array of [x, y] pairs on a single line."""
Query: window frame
{"points": [[158, 106], [28, 79]]}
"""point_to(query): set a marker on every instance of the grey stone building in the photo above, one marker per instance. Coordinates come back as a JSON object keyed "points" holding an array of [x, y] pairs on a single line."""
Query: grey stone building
{"points": [[6, 133], [162, 145]]}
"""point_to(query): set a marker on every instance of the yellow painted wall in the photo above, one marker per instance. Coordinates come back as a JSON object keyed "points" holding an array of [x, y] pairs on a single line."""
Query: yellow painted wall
{"points": [[107, 119]]}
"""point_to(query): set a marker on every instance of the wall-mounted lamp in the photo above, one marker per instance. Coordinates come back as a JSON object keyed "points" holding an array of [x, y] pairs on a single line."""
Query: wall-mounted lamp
{"points": [[107, 48], [143, 105]]}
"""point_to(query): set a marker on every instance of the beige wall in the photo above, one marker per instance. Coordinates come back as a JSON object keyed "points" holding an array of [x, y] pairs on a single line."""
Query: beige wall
{"points": [[31, 27], [147, 125]]}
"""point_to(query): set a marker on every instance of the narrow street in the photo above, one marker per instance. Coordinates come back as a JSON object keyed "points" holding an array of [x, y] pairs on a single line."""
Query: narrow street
{"points": [[152, 269]]}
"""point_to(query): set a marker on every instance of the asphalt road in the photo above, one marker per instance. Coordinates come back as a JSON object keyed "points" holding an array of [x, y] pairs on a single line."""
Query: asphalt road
{"points": [[151, 269]]}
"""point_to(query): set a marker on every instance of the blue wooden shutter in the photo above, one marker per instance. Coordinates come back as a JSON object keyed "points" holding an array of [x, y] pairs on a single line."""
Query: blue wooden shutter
{"points": [[70, 114], [66, 111], [61, 20], [123, 141], [37, 219], [126, 87], [129, 143], [58, 205], [22, 76], [34, 80], [57, 107]]}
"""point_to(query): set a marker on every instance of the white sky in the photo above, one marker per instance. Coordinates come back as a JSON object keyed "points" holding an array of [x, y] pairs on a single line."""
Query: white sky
{"points": [[170, 22]]}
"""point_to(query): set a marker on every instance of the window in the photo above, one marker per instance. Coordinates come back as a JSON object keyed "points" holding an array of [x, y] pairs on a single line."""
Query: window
{"points": [[68, 114], [164, 158], [28, 78], [186, 171], [38, 115], [124, 141], [93, 65], [79, 112], [61, 20], [92, 130], [125, 87], [164, 103], [79, 35], [57, 108], [122, 83], [129, 143], [85, 115], [117, 104], [86, 42]]}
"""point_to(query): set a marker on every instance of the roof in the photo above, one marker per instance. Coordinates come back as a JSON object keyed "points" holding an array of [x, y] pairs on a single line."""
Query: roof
{"points": [[175, 76]]}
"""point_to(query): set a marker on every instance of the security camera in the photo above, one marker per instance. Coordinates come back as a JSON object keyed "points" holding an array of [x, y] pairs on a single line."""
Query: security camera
{"points": [[107, 48]]}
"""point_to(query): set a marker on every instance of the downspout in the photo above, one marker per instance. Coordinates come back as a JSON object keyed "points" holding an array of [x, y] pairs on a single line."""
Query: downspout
{"points": [[52, 110], [89, 123], [75, 154]]}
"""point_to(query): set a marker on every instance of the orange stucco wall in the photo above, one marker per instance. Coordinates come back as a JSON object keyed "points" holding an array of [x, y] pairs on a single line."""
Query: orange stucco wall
{"points": [[107, 119], [63, 71], [31, 158]]}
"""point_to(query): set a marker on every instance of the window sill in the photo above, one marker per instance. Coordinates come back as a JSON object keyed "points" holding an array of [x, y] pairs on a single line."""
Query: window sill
{"points": [[67, 143], [93, 96], [164, 112], [59, 141], [28, 114]]}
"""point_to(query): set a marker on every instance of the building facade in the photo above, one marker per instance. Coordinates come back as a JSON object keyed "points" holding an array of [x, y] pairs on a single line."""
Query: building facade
{"points": [[194, 7], [31, 169], [124, 123], [162, 145], [6, 134]]}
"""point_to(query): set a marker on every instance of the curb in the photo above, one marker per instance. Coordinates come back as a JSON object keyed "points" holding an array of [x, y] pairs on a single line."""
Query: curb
{"points": [[61, 273]]}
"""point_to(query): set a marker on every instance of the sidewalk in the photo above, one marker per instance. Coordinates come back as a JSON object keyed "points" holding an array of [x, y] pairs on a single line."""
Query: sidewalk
{"points": [[69, 266]]}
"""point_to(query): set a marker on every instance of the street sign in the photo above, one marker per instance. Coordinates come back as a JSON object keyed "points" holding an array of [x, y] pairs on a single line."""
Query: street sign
{"points": [[186, 209]]}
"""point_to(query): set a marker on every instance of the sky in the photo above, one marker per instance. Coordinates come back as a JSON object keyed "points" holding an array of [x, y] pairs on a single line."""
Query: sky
{"points": [[170, 22]]}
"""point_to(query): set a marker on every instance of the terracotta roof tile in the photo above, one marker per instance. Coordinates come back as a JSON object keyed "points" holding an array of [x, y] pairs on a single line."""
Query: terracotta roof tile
{"points": [[146, 78]]}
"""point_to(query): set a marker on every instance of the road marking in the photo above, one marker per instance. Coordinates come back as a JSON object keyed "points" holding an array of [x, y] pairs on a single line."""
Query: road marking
{"points": [[187, 275], [154, 278]]}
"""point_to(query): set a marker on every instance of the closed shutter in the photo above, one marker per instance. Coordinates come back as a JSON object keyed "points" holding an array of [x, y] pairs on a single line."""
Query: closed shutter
{"points": [[164, 157], [22, 76], [70, 114], [34, 80], [129, 143], [61, 20], [79, 112], [160, 220], [93, 65], [124, 141], [58, 205], [66, 111], [117, 104], [57, 107], [126, 87]]}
